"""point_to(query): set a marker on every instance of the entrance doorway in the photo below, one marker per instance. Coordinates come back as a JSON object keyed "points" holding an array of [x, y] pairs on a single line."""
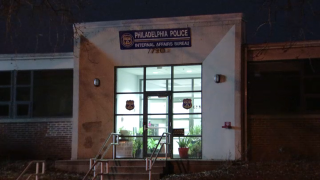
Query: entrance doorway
{"points": [[157, 120], [149, 102]]}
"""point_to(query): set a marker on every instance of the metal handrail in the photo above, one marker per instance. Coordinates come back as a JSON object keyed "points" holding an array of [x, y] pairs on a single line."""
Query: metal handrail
{"points": [[150, 162], [105, 143], [102, 152], [37, 169]]}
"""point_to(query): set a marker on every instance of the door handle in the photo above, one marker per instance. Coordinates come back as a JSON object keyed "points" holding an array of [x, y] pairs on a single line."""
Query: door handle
{"points": [[145, 127]]}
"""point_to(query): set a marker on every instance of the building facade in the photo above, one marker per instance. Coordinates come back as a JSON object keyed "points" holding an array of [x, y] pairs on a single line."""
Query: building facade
{"points": [[141, 78], [155, 66]]}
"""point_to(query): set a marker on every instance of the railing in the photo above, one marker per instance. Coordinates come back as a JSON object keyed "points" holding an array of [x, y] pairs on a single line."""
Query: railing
{"points": [[37, 169], [98, 160], [103, 170], [149, 161]]}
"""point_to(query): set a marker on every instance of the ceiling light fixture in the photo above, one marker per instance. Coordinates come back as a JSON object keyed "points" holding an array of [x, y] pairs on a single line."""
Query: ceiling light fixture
{"points": [[155, 72]]}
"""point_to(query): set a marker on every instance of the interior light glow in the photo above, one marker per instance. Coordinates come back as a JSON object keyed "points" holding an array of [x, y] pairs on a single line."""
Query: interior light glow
{"points": [[155, 72], [189, 71]]}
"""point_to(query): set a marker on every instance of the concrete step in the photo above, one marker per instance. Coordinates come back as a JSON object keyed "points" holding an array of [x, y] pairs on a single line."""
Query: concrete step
{"points": [[82, 166], [175, 166], [134, 169], [125, 176], [135, 163]]}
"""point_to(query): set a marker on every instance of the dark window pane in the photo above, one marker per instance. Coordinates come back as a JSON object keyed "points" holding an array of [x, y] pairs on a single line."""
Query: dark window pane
{"points": [[5, 78], [23, 77], [4, 110], [52, 93], [274, 87], [312, 85], [313, 104], [23, 94], [312, 67], [22, 110], [5, 94]]}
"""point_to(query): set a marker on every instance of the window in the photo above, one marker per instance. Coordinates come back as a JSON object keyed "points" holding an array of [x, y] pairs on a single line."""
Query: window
{"points": [[282, 87], [178, 82], [41, 93]]}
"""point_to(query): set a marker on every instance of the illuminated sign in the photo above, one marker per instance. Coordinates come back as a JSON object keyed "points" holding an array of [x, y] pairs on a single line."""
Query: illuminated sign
{"points": [[156, 38]]}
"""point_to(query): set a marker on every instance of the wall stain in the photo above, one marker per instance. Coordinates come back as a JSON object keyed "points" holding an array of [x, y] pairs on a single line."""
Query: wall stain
{"points": [[88, 142], [92, 126]]}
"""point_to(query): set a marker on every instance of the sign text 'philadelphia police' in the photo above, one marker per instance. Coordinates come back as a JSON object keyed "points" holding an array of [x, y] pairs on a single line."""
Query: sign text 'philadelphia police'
{"points": [[160, 38]]}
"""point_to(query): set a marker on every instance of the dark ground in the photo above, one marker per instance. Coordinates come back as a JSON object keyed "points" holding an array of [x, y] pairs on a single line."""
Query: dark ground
{"points": [[10, 170], [297, 170]]}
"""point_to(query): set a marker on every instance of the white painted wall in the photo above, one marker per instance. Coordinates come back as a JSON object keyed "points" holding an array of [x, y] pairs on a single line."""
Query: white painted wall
{"points": [[218, 100]]}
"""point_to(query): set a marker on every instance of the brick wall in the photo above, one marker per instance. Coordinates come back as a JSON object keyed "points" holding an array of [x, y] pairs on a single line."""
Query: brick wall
{"points": [[272, 138], [36, 140]]}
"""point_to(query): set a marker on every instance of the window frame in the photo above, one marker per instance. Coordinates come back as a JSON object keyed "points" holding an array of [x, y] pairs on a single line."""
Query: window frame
{"points": [[142, 90]]}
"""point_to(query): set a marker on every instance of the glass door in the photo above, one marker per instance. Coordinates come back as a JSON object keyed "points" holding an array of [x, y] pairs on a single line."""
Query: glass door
{"points": [[157, 120]]}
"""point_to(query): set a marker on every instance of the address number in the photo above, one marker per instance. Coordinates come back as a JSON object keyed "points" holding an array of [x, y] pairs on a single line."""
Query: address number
{"points": [[158, 50]]}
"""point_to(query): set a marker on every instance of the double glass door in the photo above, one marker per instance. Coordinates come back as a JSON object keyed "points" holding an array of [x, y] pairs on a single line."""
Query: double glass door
{"points": [[156, 121]]}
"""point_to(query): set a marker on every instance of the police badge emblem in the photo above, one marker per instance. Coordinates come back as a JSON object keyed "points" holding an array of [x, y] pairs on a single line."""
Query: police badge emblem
{"points": [[127, 40], [187, 103], [130, 105]]}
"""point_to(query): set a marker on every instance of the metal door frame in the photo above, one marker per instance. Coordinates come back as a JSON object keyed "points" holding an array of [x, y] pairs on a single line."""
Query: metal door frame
{"points": [[145, 118]]}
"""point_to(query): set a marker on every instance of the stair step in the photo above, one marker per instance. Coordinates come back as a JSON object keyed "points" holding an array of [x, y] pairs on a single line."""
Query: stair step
{"points": [[82, 166], [125, 176], [134, 169], [134, 163]]}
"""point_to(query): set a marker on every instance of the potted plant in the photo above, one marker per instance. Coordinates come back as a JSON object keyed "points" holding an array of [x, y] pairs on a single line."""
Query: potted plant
{"points": [[195, 130], [140, 132], [137, 148], [183, 147], [195, 142], [195, 149], [152, 144]]}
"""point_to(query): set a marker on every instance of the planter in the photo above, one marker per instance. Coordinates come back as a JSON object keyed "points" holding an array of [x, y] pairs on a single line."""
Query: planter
{"points": [[183, 153], [138, 154]]}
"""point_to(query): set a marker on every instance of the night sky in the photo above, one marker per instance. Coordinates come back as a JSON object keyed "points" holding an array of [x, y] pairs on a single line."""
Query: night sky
{"points": [[34, 32]]}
